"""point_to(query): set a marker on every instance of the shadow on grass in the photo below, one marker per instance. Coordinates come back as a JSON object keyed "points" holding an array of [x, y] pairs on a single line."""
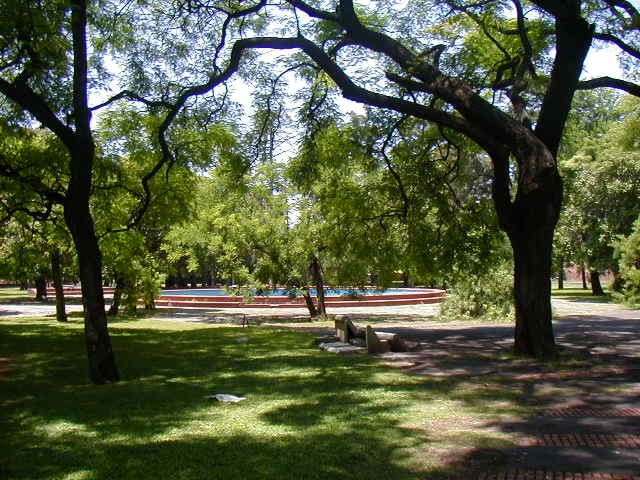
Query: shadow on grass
{"points": [[307, 415]]}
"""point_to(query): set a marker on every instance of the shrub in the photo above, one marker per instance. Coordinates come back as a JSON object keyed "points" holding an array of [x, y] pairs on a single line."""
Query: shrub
{"points": [[487, 296]]}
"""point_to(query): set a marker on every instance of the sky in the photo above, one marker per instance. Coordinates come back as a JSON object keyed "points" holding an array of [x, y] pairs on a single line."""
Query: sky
{"points": [[602, 62]]}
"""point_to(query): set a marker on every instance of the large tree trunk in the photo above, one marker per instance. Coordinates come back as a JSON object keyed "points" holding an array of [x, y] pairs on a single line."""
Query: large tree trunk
{"points": [[532, 292], [583, 274], [56, 273], [596, 286], [529, 222], [102, 365]]}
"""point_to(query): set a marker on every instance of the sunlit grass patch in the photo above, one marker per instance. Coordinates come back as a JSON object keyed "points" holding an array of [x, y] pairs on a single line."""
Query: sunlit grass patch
{"points": [[580, 294], [308, 414], [11, 294]]}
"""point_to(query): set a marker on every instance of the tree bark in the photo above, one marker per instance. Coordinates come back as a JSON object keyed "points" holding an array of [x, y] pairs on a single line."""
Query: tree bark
{"points": [[56, 273], [529, 222], [77, 214], [596, 286], [583, 274], [102, 365], [532, 291]]}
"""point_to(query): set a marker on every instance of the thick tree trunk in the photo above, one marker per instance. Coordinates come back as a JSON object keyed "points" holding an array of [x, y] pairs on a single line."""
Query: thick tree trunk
{"points": [[41, 288], [529, 222], [102, 365], [583, 274], [316, 273], [596, 286], [532, 291], [56, 273]]}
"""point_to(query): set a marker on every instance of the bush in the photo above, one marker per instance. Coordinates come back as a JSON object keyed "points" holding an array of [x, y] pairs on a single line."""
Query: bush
{"points": [[487, 296], [627, 250]]}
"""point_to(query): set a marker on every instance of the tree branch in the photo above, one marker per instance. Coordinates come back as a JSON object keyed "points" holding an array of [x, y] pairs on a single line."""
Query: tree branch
{"points": [[21, 94], [610, 82], [313, 12], [625, 47], [573, 40], [132, 96]]}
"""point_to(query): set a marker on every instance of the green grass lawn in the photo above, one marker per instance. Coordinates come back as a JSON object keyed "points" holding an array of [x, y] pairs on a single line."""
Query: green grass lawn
{"points": [[14, 294], [579, 294], [308, 414]]}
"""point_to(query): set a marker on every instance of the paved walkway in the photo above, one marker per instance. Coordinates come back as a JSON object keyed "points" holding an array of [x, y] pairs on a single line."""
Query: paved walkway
{"points": [[588, 426]]}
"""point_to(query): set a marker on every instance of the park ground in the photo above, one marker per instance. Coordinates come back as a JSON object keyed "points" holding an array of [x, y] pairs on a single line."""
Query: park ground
{"points": [[460, 407]]}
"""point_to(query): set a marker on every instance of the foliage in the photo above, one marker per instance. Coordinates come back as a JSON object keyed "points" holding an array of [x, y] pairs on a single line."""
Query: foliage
{"points": [[487, 296], [238, 231], [628, 253], [602, 178], [386, 198]]}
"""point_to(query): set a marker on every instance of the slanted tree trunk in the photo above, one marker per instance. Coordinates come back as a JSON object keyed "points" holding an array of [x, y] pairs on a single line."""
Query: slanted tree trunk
{"points": [[117, 296], [316, 273], [56, 274], [561, 274], [313, 311], [102, 366], [596, 286], [41, 288]]}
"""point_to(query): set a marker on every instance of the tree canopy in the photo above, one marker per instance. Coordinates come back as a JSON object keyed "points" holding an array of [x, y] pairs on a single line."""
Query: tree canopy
{"points": [[499, 74]]}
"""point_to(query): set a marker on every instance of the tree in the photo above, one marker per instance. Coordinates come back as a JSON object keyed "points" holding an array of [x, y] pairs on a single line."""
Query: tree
{"points": [[52, 54], [36, 158], [603, 184], [45, 74], [628, 252], [512, 101]]}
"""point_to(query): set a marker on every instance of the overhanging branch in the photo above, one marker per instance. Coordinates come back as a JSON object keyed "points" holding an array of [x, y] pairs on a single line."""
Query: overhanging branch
{"points": [[610, 82]]}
